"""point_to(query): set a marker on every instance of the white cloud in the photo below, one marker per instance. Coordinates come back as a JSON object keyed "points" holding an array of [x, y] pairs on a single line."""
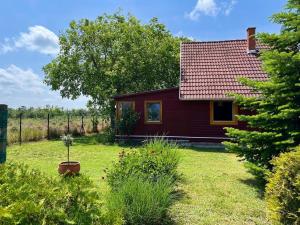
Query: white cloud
{"points": [[38, 38], [211, 8], [14, 80], [229, 7], [24, 87], [181, 34], [207, 7]]}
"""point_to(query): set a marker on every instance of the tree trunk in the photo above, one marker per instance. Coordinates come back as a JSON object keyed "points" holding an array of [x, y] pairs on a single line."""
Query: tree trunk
{"points": [[95, 124]]}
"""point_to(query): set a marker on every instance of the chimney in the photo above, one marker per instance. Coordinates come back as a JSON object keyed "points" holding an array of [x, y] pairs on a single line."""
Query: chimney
{"points": [[251, 43]]}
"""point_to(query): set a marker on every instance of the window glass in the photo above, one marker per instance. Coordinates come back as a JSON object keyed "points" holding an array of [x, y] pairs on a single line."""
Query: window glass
{"points": [[223, 111], [153, 112], [122, 106]]}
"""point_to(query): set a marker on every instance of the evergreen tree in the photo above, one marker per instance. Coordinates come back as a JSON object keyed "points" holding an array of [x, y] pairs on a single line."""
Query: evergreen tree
{"points": [[275, 125]]}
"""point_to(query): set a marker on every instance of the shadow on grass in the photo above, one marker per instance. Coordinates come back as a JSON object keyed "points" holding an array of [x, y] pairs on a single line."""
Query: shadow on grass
{"points": [[86, 140], [258, 182], [207, 149]]}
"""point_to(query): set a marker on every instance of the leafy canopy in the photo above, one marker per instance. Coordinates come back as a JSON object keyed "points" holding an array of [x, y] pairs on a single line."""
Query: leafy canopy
{"points": [[127, 121], [112, 55], [276, 122]]}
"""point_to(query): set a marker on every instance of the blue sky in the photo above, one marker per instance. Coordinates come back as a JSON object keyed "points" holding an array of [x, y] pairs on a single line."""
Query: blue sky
{"points": [[29, 32]]}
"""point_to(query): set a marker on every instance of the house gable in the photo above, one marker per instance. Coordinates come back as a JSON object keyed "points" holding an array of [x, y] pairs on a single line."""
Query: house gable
{"points": [[211, 70]]}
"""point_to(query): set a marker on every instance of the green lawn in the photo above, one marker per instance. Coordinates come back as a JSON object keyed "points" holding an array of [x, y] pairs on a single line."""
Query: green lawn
{"points": [[217, 187]]}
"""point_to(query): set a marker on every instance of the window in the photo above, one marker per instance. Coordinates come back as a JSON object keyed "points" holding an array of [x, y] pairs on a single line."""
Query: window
{"points": [[123, 105], [153, 112], [223, 113]]}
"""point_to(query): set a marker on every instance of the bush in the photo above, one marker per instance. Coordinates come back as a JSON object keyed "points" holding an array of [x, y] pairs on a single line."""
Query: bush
{"points": [[107, 136], [139, 202], [283, 189], [143, 185], [29, 197], [157, 159], [127, 122]]}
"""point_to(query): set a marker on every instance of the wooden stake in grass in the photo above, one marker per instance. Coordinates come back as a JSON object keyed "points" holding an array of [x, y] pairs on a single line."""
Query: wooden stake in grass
{"points": [[20, 130], [48, 127]]}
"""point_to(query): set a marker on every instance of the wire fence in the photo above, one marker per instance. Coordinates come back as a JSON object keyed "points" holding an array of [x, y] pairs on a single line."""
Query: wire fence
{"points": [[22, 129]]}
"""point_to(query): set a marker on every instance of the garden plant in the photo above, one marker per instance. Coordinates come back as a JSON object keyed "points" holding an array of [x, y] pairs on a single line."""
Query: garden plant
{"points": [[143, 185], [68, 167]]}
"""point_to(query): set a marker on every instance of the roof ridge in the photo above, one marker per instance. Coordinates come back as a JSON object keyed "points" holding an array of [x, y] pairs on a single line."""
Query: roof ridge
{"points": [[201, 42]]}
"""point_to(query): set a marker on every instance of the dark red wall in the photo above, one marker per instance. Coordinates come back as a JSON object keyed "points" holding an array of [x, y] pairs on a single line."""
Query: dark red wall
{"points": [[180, 118]]}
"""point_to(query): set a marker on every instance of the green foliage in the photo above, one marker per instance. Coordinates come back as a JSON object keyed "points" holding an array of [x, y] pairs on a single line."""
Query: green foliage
{"points": [[29, 197], [108, 136], [42, 112], [127, 122], [111, 55], [275, 126], [156, 160], [143, 185], [139, 202], [209, 177], [67, 140], [283, 189]]}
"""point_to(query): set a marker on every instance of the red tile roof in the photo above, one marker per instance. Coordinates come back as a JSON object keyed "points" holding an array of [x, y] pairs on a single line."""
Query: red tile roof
{"points": [[209, 70]]}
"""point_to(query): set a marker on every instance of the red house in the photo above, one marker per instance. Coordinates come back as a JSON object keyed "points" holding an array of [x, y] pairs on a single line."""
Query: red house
{"points": [[200, 107]]}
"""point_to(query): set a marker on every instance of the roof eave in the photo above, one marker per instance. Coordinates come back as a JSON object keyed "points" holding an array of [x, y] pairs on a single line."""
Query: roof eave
{"points": [[144, 92], [206, 99]]}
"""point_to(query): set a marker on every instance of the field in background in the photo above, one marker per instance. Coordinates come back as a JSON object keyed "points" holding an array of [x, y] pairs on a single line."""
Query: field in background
{"points": [[217, 189], [36, 129]]}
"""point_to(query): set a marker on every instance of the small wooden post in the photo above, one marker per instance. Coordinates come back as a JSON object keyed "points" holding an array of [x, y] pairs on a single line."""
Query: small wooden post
{"points": [[20, 130], [82, 126], [48, 127]]}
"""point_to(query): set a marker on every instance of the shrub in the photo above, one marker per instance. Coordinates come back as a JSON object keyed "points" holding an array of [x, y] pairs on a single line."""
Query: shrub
{"points": [[143, 184], [157, 159], [29, 197], [283, 189], [140, 202], [107, 137], [127, 122]]}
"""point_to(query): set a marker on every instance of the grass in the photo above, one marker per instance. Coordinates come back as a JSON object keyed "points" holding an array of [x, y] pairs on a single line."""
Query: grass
{"points": [[217, 188], [34, 129]]}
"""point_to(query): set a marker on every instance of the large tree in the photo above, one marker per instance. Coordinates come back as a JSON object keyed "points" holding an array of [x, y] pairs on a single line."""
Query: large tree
{"points": [[112, 55], [276, 122]]}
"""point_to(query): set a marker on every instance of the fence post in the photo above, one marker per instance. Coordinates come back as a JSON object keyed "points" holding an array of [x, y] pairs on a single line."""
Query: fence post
{"points": [[20, 130], [3, 132], [82, 126], [48, 127]]}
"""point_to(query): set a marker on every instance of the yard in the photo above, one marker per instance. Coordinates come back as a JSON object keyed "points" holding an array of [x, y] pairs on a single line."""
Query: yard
{"points": [[217, 188]]}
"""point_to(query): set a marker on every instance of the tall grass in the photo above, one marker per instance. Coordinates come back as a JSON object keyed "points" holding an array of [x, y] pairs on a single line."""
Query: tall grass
{"points": [[139, 202], [143, 184], [36, 129]]}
